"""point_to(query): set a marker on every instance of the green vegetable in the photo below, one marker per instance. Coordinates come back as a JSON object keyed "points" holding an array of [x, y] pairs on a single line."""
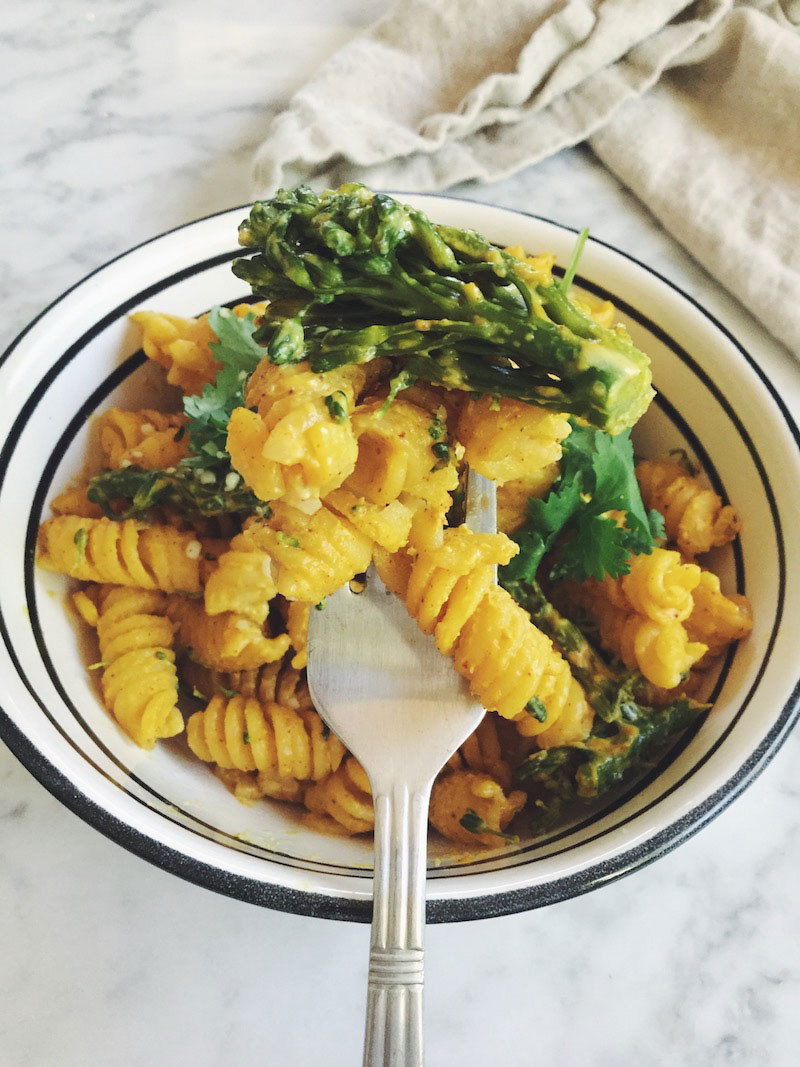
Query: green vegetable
{"points": [[611, 754], [181, 488], [81, 540], [287, 540], [446, 304], [597, 476], [161, 654], [471, 821], [537, 709], [204, 483], [227, 693], [337, 409], [574, 259]]}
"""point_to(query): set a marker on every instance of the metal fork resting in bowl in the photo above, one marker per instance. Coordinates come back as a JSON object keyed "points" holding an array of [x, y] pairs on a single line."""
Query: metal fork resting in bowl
{"points": [[398, 705]]}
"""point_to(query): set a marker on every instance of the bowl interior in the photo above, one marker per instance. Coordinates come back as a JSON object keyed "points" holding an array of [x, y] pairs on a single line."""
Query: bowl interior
{"points": [[82, 357]]}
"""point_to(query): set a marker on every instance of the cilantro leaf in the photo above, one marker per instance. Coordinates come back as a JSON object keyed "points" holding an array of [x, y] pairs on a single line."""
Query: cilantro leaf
{"points": [[597, 548], [210, 412], [594, 511]]}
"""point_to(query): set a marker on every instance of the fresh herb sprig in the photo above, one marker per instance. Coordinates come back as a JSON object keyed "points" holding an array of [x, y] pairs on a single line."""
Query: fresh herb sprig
{"points": [[203, 483], [597, 478]]}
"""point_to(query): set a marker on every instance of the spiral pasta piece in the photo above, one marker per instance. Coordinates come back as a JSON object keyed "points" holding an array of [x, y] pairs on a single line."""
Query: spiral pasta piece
{"points": [[144, 438], [509, 663], [717, 619], [483, 752], [225, 642], [463, 793], [121, 553], [297, 615], [506, 439], [695, 518], [662, 651], [398, 458], [293, 439], [139, 683], [658, 586], [345, 798], [242, 582], [245, 734]]}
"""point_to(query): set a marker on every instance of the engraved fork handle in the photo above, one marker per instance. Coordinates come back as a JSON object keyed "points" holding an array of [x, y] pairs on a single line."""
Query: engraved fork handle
{"points": [[394, 998]]}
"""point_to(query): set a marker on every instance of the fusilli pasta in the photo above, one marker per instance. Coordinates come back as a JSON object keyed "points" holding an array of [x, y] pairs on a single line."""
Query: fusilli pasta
{"points": [[121, 553], [695, 517], [140, 684]]}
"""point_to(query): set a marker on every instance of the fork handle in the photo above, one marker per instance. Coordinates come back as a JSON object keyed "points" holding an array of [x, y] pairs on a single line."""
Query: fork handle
{"points": [[394, 993]]}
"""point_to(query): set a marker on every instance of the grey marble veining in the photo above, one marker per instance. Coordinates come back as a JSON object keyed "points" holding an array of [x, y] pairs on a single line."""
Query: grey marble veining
{"points": [[122, 119]]}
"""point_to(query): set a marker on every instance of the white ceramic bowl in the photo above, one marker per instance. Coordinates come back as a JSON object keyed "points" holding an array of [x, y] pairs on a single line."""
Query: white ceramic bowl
{"points": [[81, 356]]}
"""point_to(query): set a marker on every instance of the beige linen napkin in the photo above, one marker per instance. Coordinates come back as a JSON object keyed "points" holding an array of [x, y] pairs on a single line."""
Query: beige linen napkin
{"points": [[695, 106]]}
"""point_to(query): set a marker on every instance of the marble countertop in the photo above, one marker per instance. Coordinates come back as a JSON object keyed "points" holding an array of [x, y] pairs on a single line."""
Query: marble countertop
{"points": [[123, 119]]}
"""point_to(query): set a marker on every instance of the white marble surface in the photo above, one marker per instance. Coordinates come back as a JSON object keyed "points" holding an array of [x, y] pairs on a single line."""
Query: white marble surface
{"points": [[122, 119]]}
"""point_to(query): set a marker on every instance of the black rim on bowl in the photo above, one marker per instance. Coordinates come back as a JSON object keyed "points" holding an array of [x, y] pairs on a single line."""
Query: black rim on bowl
{"points": [[440, 910]]}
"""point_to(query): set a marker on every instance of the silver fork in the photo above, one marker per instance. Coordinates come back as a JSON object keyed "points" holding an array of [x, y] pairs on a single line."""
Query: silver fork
{"points": [[398, 705]]}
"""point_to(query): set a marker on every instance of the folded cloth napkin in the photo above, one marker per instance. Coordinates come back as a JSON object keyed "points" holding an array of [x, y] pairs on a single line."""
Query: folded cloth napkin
{"points": [[693, 105]]}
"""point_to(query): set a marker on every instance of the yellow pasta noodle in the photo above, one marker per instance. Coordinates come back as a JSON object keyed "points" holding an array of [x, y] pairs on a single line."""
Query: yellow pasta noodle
{"points": [[462, 793], [342, 802], [140, 684], [225, 642], [293, 439], [121, 553], [662, 651], [482, 751], [142, 438], [507, 439], [297, 628], [396, 457], [508, 662], [695, 517], [248, 735], [659, 586], [313, 555], [74, 501], [242, 582], [717, 619]]}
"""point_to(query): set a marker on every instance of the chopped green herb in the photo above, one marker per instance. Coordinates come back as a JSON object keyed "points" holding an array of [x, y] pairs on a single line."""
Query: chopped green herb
{"points": [[287, 540], [682, 457], [437, 428], [337, 409], [441, 450], [81, 540], [597, 477], [537, 709], [320, 606], [246, 737], [227, 693], [196, 693], [97, 666], [161, 654], [474, 823]]}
